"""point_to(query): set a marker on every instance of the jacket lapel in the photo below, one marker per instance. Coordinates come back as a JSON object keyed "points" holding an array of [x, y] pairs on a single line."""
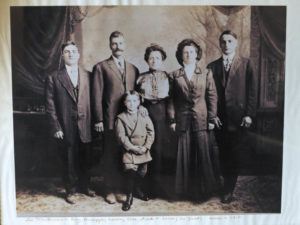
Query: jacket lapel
{"points": [[188, 83], [135, 125], [114, 68], [128, 74], [128, 121], [222, 76], [235, 65], [82, 83], [66, 83]]}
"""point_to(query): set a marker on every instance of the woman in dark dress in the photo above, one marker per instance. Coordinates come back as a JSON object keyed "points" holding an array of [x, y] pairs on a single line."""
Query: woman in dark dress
{"points": [[192, 112], [153, 86]]}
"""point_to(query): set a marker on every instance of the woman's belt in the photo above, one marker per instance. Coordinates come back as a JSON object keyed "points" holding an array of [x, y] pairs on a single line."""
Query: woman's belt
{"points": [[154, 101]]}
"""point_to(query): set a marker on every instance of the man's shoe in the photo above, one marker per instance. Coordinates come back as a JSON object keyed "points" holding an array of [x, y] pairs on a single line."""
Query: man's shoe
{"points": [[227, 198], [110, 198], [70, 198], [127, 204], [88, 192], [141, 195]]}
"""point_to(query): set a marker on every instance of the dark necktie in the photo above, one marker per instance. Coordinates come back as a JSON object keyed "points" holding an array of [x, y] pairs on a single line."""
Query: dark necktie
{"points": [[227, 65], [121, 68]]}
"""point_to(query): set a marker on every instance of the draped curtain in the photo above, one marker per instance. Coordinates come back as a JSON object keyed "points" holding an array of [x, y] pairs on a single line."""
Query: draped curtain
{"points": [[37, 36], [272, 23]]}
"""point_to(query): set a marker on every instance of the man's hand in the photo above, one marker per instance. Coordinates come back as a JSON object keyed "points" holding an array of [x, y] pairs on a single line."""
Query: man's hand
{"points": [[99, 127], [246, 122], [217, 122], [143, 111], [173, 127], [59, 135], [211, 126]]}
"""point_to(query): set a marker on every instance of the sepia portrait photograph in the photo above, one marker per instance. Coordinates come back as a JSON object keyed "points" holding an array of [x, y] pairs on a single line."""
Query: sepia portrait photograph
{"points": [[148, 110]]}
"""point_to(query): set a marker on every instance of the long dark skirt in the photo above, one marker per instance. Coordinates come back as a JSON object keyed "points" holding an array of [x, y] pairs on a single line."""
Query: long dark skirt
{"points": [[159, 175], [197, 170], [157, 113]]}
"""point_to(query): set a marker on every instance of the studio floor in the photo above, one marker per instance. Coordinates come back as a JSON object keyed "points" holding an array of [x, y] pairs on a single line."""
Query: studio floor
{"points": [[253, 194], [44, 197]]}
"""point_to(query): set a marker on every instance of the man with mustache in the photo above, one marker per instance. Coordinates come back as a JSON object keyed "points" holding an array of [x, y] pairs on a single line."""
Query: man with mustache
{"points": [[111, 79], [236, 84]]}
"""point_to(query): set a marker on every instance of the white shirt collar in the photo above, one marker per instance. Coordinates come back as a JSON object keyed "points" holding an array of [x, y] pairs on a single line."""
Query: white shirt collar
{"points": [[73, 74], [121, 60], [72, 69], [229, 57], [191, 66], [189, 69]]}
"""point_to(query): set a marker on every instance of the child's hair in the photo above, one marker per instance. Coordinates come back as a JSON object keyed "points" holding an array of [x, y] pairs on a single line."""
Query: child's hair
{"points": [[128, 93]]}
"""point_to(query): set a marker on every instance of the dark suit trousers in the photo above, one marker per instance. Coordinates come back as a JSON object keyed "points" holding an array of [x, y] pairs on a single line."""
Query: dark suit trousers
{"points": [[75, 157], [112, 162], [230, 142]]}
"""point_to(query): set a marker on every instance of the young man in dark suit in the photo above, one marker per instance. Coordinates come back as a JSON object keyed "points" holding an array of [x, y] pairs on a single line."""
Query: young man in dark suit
{"points": [[236, 85], [111, 79], [68, 107]]}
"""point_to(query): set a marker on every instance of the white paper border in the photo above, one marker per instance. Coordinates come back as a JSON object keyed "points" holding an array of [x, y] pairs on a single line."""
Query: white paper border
{"points": [[290, 213]]}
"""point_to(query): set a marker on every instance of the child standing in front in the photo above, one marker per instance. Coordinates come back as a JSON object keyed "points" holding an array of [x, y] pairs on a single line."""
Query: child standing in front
{"points": [[135, 133]]}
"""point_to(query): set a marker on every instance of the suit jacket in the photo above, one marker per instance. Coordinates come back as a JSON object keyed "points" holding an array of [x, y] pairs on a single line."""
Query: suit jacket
{"points": [[192, 104], [66, 111], [238, 96], [108, 87], [130, 133]]}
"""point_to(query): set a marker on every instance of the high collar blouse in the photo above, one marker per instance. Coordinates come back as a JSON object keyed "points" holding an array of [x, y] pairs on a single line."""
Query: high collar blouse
{"points": [[153, 85]]}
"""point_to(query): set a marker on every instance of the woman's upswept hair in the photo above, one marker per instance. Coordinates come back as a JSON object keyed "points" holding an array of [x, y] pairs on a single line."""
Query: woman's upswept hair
{"points": [[187, 42], [155, 47]]}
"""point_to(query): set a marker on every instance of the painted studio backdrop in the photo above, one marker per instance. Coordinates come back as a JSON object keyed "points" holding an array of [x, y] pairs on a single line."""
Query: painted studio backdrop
{"points": [[38, 32]]}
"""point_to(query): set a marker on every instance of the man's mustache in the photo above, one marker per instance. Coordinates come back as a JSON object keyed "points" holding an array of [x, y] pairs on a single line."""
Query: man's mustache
{"points": [[117, 50]]}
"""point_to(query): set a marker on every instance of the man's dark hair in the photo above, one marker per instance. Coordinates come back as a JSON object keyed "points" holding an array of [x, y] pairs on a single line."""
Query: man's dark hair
{"points": [[229, 32], [115, 34], [67, 43], [187, 42], [152, 48]]}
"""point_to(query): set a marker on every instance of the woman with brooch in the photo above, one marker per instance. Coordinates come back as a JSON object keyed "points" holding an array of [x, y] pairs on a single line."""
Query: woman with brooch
{"points": [[193, 110], [153, 86]]}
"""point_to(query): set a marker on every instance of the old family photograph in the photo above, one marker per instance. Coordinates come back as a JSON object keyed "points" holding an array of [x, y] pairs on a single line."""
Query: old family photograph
{"points": [[148, 110]]}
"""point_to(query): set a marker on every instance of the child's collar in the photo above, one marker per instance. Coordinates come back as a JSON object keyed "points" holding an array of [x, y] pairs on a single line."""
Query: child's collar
{"points": [[132, 112]]}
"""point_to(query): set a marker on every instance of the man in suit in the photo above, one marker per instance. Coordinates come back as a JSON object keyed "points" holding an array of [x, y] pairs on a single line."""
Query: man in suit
{"points": [[111, 79], [68, 106], [236, 85]]}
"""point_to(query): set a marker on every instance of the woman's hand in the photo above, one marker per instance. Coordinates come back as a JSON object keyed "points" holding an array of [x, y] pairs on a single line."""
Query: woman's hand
{"points": [[211, 126], [143, 111], [173, 127]]}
